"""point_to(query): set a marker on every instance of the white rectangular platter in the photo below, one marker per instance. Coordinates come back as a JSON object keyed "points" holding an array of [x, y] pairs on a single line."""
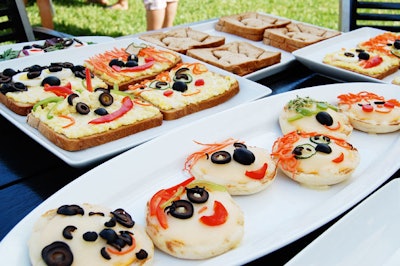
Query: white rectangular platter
{"points": [[249, 91], [313, 55], [275, 217], [368, 235], [208, 27]]}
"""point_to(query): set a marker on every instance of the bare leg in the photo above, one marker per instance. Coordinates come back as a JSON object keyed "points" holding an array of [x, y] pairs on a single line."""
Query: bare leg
{"points": [[170, 14], [155, 19], [45, 12]]}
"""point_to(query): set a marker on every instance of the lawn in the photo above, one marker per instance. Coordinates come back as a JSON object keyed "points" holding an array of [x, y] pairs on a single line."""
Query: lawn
{"points": [[77, 17]]}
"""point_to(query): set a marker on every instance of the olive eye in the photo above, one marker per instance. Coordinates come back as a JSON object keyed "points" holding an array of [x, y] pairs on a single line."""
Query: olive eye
{"points": [[71, 97], [82, 108], [243, 156], [221, 157], [197, 194], [317, 139], [324, 148], [324, 118], [106, 99], [303, 151], [179, 86], [57, 253], [181, 209]]}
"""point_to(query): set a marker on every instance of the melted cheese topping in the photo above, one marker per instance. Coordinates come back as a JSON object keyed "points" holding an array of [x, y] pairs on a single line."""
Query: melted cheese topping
{"points": [[232, 174], [189, 238], [36, 92], [50, 226], [82, 128]]}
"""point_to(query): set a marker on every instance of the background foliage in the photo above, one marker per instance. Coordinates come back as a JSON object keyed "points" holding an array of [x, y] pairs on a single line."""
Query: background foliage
{"points": [[78, 17]]}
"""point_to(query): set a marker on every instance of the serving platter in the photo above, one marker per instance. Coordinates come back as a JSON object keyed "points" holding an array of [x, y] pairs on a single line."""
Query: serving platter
{"points": [[312, 55], [87, 39], [367, 235], [208, 26], [275, 217], [249, 91]]}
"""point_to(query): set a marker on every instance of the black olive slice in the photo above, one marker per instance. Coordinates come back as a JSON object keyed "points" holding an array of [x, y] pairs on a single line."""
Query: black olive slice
{"points": [[106, 99], [9, 72], [102, 89], [57, 254], [181, 70], [67, 232], [303, 151], [108, 234], [116, 62], [32, 68], [161, 85], [90, 236], [142, 254], [71, 97], [68, 42], [183, 77], [243, 156], [51, 80], [105, 254], [34, 74], [181, 209], [79, 68], [123, 218], [82, 108], [70, 210], [55, 68], [19, 86], [221, 157], [131, 63], [317, 139], [133, 57], [324, 148], [239, 145], [179, 86], [101, 111], [324, 118], [197, 194], [363, 55]]}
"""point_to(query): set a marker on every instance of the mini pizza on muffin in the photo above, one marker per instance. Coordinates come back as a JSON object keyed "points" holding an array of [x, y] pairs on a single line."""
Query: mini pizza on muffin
{"points": [[370, 112], [89, 235], [194, 220], [307, 114], [240, 168], [314, 159]]}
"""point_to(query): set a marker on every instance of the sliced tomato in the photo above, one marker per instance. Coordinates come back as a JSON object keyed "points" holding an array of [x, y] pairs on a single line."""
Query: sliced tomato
{"points": [[373, 61]]}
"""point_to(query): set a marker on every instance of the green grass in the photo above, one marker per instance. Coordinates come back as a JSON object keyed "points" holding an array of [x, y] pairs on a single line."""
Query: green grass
{"points": [[77, 17]]}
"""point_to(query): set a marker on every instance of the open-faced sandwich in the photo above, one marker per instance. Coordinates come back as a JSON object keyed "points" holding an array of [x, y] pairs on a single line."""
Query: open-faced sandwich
{"points": [[314, 159], [89, 234], [127, 66], [370, 112], [309, 115], [240, 168], [186, 89], [194, 220], [22, 89]]}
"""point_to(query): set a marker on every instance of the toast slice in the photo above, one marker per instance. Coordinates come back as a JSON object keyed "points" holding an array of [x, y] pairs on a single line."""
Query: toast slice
{"points": [[296, 35], [124, 67], [374, 65], [64, 125], [240, 58], [186, 89], [249, 25], [182, 39]]}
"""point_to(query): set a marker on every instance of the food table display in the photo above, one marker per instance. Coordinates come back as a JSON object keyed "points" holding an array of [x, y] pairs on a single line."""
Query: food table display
{"points": [[34, 168]]}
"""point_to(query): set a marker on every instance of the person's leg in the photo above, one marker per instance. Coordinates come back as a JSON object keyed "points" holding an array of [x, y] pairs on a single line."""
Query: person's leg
{"points": [[120, 5], [170, 13], [155, 19], [46, 13]]}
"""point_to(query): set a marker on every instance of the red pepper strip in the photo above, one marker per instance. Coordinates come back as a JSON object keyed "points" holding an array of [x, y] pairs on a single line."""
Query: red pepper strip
{"points": [[367, 108], [259, 173], [63, 91], [127, 105], [71, 119], [339, 158], [117, 252], [219, 217], [138, 68], [89, 86], [373, 62]]}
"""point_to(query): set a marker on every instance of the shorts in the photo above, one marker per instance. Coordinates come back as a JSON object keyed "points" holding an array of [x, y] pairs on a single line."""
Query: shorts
{"points": [[156, 4]]}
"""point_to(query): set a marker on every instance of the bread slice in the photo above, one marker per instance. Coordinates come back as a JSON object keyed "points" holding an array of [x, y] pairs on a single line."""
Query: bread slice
{"points": [[202, 89], [348, 59], [17, 107], [249, 25], [125, 76], [240, 58], [52, 121], [182, 39], [296, 35]]}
